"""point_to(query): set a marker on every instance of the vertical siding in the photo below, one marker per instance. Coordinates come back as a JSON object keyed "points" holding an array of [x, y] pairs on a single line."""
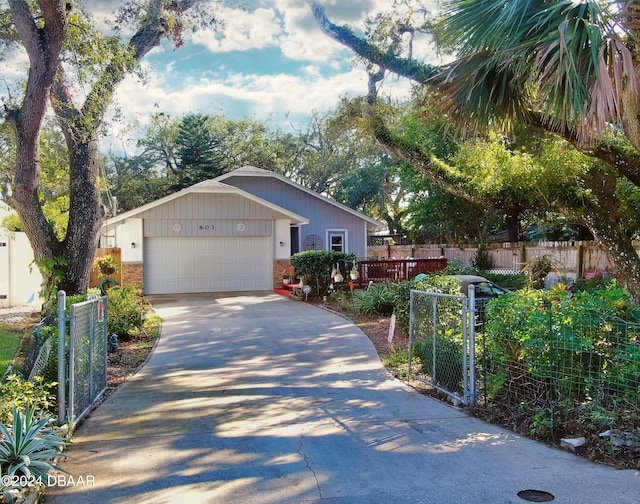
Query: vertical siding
{"points": [[211, 206], [322, 215]]}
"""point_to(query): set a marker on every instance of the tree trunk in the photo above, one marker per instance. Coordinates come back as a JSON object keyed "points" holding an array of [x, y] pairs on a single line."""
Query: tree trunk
{"points": [[617, 246], [42, 31], [513, 226], [86, 215]]}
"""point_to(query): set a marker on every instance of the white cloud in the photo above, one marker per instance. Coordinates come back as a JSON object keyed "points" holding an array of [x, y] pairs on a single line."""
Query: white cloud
{"points": [[283, 97], [243, 31], [201, 77]]}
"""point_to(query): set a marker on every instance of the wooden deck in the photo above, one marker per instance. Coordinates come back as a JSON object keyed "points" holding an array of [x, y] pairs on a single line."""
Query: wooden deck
{"points": [[395, 269]]}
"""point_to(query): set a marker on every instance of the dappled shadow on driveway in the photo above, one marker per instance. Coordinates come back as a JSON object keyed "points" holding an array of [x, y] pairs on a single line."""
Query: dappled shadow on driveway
{"points": [[258, 399]]}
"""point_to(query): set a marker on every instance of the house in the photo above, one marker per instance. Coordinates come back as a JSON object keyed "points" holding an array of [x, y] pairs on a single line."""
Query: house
{"points": [[233, 233]]}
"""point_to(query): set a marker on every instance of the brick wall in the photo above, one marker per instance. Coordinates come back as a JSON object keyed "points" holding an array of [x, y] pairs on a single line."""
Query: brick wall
{"points": [[278, 266], [132, 273]]}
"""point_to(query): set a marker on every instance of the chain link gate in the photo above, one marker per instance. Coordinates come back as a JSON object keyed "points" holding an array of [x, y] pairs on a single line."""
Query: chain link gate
{"points": [[442, 342], [85, 375]]}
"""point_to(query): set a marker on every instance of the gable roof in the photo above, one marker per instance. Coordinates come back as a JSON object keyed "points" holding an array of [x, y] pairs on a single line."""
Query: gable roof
{"points": [[252, 171], [208, 187]]}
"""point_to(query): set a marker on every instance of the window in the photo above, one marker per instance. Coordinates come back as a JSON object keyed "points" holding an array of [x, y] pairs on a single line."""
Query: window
{"points": [[337, 241]]}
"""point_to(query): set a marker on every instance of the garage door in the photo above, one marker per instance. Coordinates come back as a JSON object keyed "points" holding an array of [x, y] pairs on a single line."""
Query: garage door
{"points": [[181, 265]]}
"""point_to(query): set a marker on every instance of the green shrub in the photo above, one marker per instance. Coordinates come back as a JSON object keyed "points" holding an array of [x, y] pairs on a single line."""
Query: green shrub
{"points": [[481, 261], [539, 267], [510, 281], [16, 392], [455, 267], [315, 266], [536, 331], [448, 364], [126, 310], [402, 293], [379, 298]]}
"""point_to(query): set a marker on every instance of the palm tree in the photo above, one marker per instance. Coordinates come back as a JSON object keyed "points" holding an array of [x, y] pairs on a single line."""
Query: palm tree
{"points": [[566, 64]]}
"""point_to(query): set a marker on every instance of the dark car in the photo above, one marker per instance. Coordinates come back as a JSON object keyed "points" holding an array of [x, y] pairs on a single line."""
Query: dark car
{"points": [[485, 291], [484, 288]]}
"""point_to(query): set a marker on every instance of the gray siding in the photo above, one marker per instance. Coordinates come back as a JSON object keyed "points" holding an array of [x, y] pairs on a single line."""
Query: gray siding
{"points": [[322, 215], [206, 227], [209, 215]]}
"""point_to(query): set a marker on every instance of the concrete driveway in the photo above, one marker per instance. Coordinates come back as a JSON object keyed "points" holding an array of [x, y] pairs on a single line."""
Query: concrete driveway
{"points": [[254, 398]]}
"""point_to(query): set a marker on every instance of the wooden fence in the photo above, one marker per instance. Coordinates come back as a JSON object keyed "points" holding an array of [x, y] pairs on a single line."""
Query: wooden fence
{"points": [[97, 276], [574, 259]]}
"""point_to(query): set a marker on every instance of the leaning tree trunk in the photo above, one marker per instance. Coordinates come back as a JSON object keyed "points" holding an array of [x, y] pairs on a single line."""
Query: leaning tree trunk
{"points": [[618, 248], [42, 36]]}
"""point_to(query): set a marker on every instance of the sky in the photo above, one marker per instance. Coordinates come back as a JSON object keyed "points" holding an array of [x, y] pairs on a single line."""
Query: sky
{"points": [[271, 63]]}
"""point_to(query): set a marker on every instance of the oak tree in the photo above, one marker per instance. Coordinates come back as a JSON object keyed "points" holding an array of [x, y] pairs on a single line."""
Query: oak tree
{"points": [[66, 52]]}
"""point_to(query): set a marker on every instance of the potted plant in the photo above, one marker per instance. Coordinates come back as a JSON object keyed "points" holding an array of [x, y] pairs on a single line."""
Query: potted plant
{"points": [[106, 264], [286, 276], [354, 273]]}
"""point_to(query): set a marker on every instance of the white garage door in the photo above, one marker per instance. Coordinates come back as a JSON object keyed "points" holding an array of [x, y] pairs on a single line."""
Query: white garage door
{"points": [[181, 265]]}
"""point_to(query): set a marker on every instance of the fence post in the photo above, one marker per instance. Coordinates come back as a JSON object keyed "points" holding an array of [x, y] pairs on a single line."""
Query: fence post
{"points": [[411, 315], [62, 378], [472, 344], [72, 369], [552, 368]]}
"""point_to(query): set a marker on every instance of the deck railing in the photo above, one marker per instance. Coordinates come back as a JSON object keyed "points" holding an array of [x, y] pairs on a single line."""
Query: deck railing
{"points": [[395, 269]]}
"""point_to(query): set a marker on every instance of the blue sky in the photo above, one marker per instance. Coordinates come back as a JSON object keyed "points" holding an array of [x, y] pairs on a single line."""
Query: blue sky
{"points": [[272, 62]]}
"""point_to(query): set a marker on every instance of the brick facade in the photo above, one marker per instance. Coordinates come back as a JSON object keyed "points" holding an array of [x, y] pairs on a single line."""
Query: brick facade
{"points": [[279, 266], [132, 273]]}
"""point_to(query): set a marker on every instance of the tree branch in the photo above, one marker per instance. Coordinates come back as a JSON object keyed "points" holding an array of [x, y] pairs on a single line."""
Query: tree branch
{"points": [[43, 46], [623, 157], [439, 172], [404, 67]]}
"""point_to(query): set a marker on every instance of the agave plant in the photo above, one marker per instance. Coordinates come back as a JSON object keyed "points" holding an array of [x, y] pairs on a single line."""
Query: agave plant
{"points": [[29, 448]]}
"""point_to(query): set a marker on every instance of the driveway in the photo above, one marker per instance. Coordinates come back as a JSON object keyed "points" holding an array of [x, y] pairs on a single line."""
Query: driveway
{"points": [[254, 398]]}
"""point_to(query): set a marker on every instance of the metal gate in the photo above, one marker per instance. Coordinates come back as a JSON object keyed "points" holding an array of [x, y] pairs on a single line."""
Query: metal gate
{"points": [[86, 372], [442, 342]]}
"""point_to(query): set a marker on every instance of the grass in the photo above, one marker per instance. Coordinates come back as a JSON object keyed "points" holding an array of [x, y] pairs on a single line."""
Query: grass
{"points": [[10, 339]]}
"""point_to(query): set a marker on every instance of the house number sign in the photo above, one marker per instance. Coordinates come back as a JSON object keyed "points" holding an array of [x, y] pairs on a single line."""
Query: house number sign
{"points": [[206, 227]]}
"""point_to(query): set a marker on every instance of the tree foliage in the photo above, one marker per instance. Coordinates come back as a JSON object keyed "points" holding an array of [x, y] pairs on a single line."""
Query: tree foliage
{"points": [[565, 69], [66, 51]]}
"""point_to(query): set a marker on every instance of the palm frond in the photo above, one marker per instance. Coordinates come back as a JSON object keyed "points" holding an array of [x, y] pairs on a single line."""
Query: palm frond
{"points": [[567, 59]]}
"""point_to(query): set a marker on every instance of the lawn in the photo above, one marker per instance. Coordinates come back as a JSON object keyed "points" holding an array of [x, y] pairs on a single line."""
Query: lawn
{"points": [[10, 338]]}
